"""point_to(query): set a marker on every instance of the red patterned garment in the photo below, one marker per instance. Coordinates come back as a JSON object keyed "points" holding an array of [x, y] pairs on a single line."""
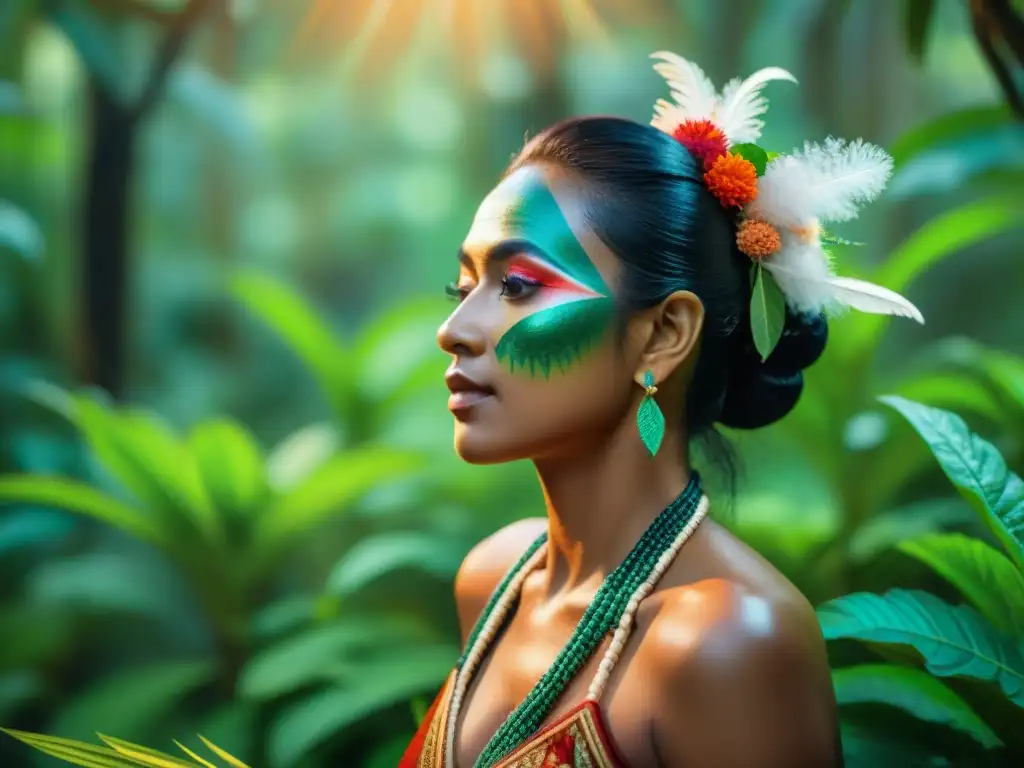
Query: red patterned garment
{"points": [[578, 739]]}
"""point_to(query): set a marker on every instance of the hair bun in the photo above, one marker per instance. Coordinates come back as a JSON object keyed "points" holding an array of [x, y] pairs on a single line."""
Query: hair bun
{"points": [[759, 394]]}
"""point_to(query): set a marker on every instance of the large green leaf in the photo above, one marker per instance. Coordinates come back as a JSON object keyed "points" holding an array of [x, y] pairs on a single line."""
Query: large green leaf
{"points": [[954, 641], [992, 155], [144, 456], [948, 129], [291, 317], [134, 702], [73, 496], [982, 574], [231, 465], [300, 454], [375, 556], [331, 490], [953, 391], [369, 688], [881, 748], [913, 691], [977, 470], [311, 656]]}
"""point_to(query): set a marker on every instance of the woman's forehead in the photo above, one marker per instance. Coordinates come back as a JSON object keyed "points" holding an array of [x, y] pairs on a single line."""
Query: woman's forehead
{"points": [[542, 206]]}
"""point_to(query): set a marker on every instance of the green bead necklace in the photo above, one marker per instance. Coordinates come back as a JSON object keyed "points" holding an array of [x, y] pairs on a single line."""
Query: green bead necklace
{"points": [[601, 616]]}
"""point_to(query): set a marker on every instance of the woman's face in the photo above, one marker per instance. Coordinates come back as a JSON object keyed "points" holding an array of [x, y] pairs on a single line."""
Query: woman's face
{"points": [[538, 369]]}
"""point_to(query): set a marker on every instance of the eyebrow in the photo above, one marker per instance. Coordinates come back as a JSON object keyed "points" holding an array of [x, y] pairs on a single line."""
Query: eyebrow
{"points": [[505, 250]]}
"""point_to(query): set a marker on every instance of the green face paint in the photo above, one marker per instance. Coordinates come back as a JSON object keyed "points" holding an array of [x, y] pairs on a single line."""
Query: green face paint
{"points": [[522, 207]]}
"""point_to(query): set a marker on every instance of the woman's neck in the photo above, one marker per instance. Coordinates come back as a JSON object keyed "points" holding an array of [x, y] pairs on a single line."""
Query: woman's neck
{"points": [[600, 502]]}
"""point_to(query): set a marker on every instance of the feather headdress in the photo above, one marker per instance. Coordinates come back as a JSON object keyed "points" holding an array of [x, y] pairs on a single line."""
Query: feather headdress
{"points": [[782, 199]]}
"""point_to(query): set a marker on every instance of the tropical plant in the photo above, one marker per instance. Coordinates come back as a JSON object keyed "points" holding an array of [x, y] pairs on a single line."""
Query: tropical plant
{"points": [[224, 521], [972, 683]]}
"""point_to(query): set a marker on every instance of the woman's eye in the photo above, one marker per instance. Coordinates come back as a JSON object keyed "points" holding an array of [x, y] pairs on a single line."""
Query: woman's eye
{"points": [[514, 287]]}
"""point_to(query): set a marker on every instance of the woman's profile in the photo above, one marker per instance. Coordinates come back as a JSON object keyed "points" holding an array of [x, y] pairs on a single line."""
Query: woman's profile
{"points": [[622, 290]]}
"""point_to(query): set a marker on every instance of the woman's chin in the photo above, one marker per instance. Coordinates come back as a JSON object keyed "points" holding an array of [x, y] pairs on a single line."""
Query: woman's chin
{"points": [[473, 446]]}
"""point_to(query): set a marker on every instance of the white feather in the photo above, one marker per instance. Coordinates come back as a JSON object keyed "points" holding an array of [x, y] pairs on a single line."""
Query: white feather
{"points": [[868, 297], [735, 111], [803, 273], [741, 103], [691, 89], [821, 182]]}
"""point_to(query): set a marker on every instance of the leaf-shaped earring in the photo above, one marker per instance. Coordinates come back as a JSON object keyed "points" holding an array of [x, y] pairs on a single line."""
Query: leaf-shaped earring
{"points": [[649, 419]]}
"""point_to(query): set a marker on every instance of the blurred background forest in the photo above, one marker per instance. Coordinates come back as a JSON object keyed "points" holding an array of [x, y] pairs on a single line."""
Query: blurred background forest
{"points": [[229, 500]]}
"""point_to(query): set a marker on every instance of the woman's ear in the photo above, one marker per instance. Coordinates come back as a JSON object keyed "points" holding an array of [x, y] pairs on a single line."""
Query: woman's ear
{"points": [[676, 325]]}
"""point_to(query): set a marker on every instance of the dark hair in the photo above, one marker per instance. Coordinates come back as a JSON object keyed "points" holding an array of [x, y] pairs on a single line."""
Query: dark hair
{"points": [[648, 203]]}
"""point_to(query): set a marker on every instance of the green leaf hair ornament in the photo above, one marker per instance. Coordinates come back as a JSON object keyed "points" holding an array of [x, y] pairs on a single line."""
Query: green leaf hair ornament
{"points": [[649, 418]]}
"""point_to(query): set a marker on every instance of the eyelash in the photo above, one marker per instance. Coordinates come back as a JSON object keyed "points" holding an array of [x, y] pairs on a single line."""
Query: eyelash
{"points": [[454, 292]]}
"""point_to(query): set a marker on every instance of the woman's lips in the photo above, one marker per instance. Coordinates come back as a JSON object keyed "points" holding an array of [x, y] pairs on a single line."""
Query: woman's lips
{"points": [[461, 401]]}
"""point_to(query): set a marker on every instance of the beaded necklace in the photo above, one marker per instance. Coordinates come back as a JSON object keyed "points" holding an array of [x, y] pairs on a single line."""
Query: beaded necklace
{"points": [[614, 606]]}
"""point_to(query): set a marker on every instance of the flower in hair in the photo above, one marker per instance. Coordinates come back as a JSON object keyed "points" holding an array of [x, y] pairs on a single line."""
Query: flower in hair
{"points": [[782, 199], [703, 138], [758, 239], [733, 180]]}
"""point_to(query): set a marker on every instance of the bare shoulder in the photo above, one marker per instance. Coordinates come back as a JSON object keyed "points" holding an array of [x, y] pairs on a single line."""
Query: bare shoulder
{"points": [[740, 650], [487, 563]]}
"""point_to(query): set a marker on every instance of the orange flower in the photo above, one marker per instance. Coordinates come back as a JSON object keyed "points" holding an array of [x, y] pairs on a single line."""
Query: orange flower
{"points": [[733, 180], [703, 138], [758, 239]]}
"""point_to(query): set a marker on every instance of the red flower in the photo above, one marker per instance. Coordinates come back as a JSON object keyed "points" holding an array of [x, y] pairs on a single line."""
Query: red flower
{"points": [[704, 139]]}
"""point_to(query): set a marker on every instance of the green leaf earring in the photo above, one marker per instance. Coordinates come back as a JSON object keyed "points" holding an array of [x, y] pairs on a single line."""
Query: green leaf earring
{"points": [[649, 419]]}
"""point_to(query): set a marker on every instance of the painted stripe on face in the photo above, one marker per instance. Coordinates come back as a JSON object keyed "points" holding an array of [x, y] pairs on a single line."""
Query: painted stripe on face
{"points": [[523, 208]]}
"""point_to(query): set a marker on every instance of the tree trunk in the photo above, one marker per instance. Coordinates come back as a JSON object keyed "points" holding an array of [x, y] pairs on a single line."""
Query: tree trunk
{"points": [[104, 221]]}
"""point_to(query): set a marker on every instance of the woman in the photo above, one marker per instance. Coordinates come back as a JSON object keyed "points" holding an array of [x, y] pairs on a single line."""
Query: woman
{"points": [[610, 290]]}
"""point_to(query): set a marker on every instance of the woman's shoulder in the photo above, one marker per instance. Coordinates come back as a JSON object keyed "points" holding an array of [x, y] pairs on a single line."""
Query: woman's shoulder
{"points": [[734, 639], [486, 564]]}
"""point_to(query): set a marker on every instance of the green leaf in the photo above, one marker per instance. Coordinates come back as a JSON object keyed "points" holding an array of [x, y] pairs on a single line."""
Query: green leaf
{"points": [[332, 489], [831, 240], [757, 156], [309, 656], [977, 470], [919, 16], [947, 234], [767, 312], [19, 232], [982, 574], [882, 748], [230, 464], [75, 752], [375, 556], [291, 317], [995, 154], [73, 496], [135, 701], [371, 687], [953, 391], [948, 128], [300, 454], [954, 641], [913, 691]]}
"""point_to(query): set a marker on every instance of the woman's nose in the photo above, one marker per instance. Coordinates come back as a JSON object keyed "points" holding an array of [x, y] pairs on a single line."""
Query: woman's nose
{"points": [[459, 335]]}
